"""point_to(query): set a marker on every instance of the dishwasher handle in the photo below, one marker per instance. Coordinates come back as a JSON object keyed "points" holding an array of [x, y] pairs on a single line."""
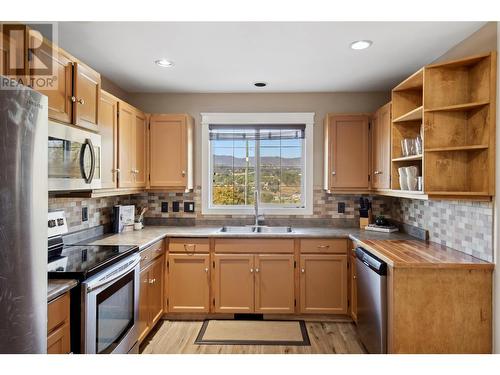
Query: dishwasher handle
{"points": [[371, 261]]}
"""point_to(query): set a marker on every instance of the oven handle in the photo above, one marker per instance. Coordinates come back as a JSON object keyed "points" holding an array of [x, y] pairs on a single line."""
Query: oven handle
{"points": [[93, 287], [88, 179]]}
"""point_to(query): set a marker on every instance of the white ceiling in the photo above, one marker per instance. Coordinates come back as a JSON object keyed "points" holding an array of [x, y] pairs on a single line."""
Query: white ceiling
{"points": [[230, 56]]}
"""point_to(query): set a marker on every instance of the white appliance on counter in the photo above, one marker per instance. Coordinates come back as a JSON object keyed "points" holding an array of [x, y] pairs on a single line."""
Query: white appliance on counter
{"points": [[74, 158]]}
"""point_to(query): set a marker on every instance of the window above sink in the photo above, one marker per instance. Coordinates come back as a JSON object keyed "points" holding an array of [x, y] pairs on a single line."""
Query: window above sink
{"points": [[266, 152]]}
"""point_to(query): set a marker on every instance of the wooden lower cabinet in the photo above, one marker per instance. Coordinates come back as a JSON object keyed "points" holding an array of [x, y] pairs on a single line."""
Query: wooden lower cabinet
{"points": [[151, 295], [58, 325], [189, 283], [261, 283], [274, 284], [354, 289], [323, 284], [234, 283]]}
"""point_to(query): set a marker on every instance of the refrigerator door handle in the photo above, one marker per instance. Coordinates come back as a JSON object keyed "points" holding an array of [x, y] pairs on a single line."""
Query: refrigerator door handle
{"points": [[88, 143]]}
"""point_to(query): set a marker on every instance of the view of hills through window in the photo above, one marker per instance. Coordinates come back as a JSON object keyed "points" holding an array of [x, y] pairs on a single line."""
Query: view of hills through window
{"points": [[270, 159]]}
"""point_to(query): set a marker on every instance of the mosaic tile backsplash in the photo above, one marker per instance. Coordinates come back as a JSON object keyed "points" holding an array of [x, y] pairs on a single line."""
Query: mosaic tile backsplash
{"points": [[462, 225], [465, 226]]}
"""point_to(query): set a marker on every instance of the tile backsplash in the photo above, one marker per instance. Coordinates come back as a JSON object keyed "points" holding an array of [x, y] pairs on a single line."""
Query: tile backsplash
{"points": [[462, 225]]}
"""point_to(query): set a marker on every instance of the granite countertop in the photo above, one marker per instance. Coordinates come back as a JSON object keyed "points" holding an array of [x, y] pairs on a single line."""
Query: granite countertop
{"points": [[397, 249], [57, 287], [152, 234]]}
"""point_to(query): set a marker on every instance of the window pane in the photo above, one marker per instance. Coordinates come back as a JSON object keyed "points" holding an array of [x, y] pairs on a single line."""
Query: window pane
{"points": [[291, 176], [244, 195], [222, 195], [244, 176], [291, 157], [290, 194], [291, 143]]}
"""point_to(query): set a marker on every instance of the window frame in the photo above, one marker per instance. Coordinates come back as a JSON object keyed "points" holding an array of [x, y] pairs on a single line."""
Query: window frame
{"points": [[235, 119]]}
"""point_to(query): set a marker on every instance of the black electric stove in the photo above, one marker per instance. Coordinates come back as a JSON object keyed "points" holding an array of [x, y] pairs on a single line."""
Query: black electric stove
{"points": [[83, 261]]}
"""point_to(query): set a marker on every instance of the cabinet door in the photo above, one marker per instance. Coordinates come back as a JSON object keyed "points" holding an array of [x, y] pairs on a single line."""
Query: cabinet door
{"points": [[168, 151], [126, 145], [108, 128], [354, 290], [156, 289], [86, 89], [381, 148], [144, 300], [60, 94], [58, 341], [188, 283], [323, 284], [274, 284], [140, 149], [349, 150], [234, 283]]}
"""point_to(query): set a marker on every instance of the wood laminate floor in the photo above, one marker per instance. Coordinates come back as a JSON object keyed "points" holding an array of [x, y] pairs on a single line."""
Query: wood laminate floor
{"points": [[177, 337]]}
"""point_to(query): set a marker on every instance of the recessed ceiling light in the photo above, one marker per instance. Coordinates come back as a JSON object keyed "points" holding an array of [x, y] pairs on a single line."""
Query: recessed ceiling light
{"points": [[361, 44], [164, 63], [260, 84]]}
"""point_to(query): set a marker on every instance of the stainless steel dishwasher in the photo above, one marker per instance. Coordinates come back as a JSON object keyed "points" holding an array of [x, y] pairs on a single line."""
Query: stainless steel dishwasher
{"points": [[372, 301]]}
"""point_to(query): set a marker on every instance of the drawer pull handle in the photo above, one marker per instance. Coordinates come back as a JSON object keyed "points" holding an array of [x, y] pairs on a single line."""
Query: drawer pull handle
{"points": [[206, 269], [145, 257], [189, 246], [158, 250], [251, 270], [257, 270], [323, 246], [302, 270]]}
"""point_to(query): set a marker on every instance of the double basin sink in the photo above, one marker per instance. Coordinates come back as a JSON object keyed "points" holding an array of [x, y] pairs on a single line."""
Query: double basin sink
{"points": [[255, 229]]}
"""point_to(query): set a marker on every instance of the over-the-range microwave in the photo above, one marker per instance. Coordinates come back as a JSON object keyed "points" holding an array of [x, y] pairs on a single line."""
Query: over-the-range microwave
{"points": [[74, 158]]}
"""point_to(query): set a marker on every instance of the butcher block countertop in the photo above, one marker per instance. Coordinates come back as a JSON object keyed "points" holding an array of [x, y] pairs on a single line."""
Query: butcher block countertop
{"points": [[422, 254]]}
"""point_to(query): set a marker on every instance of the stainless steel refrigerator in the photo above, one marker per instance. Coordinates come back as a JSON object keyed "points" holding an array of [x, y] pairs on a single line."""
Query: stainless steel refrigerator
{"points": [[23, 219]]}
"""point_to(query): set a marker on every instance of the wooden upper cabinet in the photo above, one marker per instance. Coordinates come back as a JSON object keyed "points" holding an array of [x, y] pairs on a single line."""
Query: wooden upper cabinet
{"points": [[323, 284], [108, 128], [86, 92], [131, 147], [346, 152], [234, 283], [126, 145], [60, 93], [140, 149], [170, 151], [381, 148], [274, 284], [188, 283]]}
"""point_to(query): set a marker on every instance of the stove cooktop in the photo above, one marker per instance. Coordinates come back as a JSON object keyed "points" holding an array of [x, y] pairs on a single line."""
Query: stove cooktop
{"points": [[82, 261]]}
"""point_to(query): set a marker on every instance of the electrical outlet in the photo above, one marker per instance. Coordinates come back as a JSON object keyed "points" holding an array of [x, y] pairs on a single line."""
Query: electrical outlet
{"points": [[188, 206], [85, 213], [341, 208], [164, 206], [175, 206]]}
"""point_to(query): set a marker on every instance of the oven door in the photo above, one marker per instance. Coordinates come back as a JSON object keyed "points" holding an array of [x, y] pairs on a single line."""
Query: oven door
{"points": [[111, 309], [74, 158]]}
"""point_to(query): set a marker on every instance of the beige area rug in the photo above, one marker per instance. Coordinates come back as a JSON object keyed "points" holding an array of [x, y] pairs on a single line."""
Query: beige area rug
{"points": [[253, 332]]}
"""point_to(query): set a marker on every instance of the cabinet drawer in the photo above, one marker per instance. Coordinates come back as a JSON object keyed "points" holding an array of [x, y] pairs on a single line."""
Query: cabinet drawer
{"points": [[257, 245], [324, 245], [58, 312], [152, 252], [188, 245]]}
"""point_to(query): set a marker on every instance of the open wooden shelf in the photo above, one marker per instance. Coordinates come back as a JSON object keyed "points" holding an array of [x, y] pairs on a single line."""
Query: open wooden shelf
{"points": [[457, 148], [411, 194], [413, 115], [408, 158], [458, 107], [415, 81]]}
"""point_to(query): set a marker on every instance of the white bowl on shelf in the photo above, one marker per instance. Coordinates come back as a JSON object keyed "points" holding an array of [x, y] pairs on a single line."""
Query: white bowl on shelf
{"points": [[403, 180]]}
